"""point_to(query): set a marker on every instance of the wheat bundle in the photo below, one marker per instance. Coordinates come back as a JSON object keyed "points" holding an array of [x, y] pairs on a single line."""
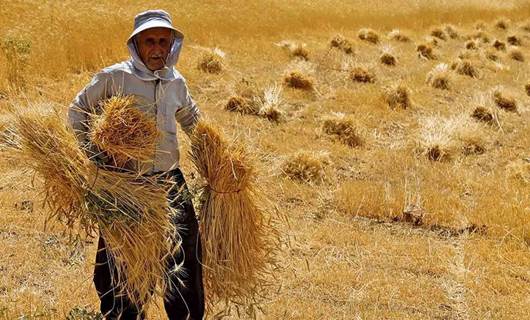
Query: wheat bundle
{"points": [[123, 131], [237, 240], [131, 213]]}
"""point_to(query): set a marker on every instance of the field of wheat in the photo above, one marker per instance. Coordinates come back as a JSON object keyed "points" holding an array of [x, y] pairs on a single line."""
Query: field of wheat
{"points": [[392, 138]]}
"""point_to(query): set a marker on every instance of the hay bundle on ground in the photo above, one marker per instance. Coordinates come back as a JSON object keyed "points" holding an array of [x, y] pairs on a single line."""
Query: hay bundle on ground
{"points": [[438, 33], [514, 40], [398, 35], [295, 50], [341, 43], [482, 114], [480, 36], [387, 58], [131, 213], [298, 80], [398, 96], [465, 68], [360, 74], [471, 45], [237, 240], [502, 24], [439, 77], [451, 31], [211, 61], [368, 35], [504, 100], [491, 54], [241, 104], [499, 45], [425, 51], [527, 88], [343, 129], [306, 167], [123, 132], [516, 54]]}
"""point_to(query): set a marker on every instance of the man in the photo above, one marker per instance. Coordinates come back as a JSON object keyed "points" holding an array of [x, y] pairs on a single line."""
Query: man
{"points": [[161, 91]]}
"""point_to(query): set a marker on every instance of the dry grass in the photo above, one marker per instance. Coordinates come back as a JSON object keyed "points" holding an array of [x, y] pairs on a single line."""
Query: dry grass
{"points": [[440, 77], [123, 132], [238, 243], [368, 35], [397, 96], [343, 129]]}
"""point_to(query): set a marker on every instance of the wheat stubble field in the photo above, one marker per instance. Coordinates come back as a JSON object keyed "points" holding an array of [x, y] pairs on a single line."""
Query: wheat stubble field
{"points": [[393, 141]]}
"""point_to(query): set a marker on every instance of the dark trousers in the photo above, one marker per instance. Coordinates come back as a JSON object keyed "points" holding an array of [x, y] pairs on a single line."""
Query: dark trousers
{"points": [[185, 300]]}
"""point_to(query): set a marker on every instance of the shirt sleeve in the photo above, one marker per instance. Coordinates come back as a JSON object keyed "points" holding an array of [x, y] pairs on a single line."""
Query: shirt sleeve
{"points": [[188, 114], [85, 103]]}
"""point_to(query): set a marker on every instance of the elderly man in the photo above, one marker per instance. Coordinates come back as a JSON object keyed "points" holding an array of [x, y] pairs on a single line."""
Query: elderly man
{"points": [[161, 91]]}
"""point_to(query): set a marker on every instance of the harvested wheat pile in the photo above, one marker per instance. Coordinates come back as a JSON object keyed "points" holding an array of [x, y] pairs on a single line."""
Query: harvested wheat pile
{"points": [[368, 35], [361, 74], [241, 104], [123, 132], [306, 167], [482, 114], [451, 31], [438, 33], [527, 88], [439, 77], [492, 55], [343, 129], [398, 96], [471, 45], [465, 68], [514, 40], [502, 24], [442, 139], [295, 50], [212, 61], [516, 54], [237, 240], [499, 45], [398, 35], [387, 58], [131, 213], [504, 100], [426, 51], [298, 80], [341, 43]]}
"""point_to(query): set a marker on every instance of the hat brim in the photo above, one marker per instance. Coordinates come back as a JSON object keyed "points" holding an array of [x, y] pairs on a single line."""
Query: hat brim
{"points": [[156, 24]]}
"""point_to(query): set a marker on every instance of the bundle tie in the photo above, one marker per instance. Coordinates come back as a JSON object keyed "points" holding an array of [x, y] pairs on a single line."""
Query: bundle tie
{"points": [[222, 192]]}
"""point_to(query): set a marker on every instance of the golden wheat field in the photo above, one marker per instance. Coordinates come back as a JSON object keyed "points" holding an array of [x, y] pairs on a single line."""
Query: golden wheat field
{"points": [[392, 138]]}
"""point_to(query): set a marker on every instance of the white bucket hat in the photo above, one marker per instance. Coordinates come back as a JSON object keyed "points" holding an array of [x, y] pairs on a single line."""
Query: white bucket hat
{"points": [[153, 19]]}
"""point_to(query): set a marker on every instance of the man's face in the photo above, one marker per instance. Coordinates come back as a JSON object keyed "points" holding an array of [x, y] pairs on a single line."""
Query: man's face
{"points": [[153, 46]]}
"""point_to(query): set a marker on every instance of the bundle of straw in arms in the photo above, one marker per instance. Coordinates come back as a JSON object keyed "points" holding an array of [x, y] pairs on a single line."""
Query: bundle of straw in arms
{"points": [[132, 212]]}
